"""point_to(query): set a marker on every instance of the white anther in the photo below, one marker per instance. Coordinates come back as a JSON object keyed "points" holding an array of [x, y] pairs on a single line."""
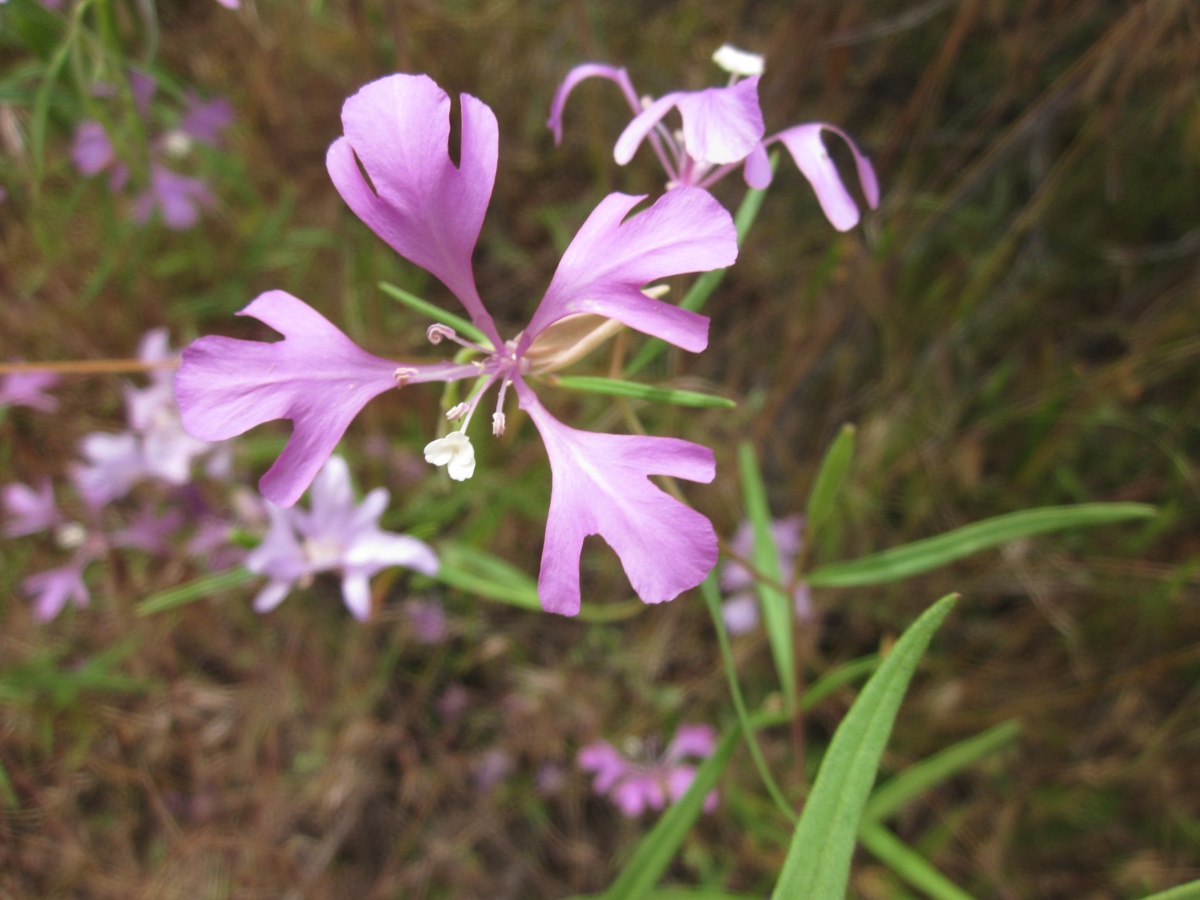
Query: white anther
{"points": [[646, 101], [497, 423], [177, 144], [70, 535], [455, 452], [457, 411], [738, 62], [402, 375], [437, 331]]}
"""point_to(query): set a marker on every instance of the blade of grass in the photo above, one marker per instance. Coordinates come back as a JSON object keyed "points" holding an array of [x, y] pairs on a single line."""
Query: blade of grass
{"points": [[908, 864], [618, 388], [458, 323], [776, 605], [1189, 891], [902, 562], [194, 590], [942, 766], [829, 480], [818, 860], [834, 679], [712, 598]]}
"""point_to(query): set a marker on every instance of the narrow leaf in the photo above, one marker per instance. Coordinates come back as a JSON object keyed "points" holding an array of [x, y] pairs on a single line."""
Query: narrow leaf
{"points": [[818, 860], [921, 556], [835, 678], [458, 323], [199, 589], [909, 864], [943, 765], [1189, 891], [829, 481], [776, 605], [617, 388]]}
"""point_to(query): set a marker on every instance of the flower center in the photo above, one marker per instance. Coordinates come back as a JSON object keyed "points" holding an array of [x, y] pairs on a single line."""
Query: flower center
{"points": [[323, 552]]}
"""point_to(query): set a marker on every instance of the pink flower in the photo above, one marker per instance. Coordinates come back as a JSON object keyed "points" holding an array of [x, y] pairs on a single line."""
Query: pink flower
{"points": [[431, 211], [28, 510], [649, 781], [336, 534], [740, 610], [28, 389], [723, 129]]}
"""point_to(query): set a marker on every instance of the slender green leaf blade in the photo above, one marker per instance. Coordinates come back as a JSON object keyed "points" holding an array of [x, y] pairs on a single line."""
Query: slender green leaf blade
{"points": [[1189, 891], [776, 605], [921, 556], [830, 477], [617, 388], [943, 765], [835, 678], [818, 860], [909, 864], [194, 590], [458, 323]]}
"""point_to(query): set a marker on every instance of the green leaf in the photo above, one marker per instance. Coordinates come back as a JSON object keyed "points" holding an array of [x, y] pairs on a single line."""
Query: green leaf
{"points": [[921, 556], [617, 388], [708, 282], [658, 847], [835, 678], [942, 766], [829, 481], [776, 605], [475, 571], [818, 860], [1189, 891], [712, 598], [458, 323], [199, 589], [908, 864]]}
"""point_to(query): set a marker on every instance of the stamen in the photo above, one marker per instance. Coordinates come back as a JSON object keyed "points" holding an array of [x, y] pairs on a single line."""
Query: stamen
{"points": [[457, 411], [497, 423], [437, 331], [402, 375]]}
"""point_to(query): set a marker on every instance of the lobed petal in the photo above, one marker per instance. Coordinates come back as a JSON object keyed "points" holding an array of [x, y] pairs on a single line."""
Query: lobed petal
{"points": [[615, 74], [418, 201], [612, 258], [29, 510], [641, 126], [600, 485], [807, 149], [722, 124], [316, 376]]}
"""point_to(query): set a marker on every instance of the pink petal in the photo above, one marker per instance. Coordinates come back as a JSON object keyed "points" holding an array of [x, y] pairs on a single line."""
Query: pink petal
{"points": [[427, 209], [600, 486], [637, 793], [643, 123], [92, 151], [316, 376], [603, 759], [757, 170], [29, 510], [692, 740], [610, 260], [588, 70], [722, 125], [52, 589], [805, 145]]}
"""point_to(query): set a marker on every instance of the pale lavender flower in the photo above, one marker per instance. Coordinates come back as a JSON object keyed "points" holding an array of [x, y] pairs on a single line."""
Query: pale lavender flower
{"points": [[53, 588], [204, 120], [29, 510], [740, 609], [649, 780], [493, 767], [431, 211], [336, 534], [29, 389], [178, 198], [722, 129], [428, 620]]}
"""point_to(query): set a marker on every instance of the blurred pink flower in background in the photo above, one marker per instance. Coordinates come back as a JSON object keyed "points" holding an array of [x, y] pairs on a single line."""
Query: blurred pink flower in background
{"points": [[335, 534], [722, 129], [650, 780], [740, 610], [29, 389]]}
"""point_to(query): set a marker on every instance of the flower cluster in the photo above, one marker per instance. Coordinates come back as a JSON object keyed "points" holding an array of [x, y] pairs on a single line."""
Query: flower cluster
{"points": [[177, 198], [649, 779], [722, 129]]}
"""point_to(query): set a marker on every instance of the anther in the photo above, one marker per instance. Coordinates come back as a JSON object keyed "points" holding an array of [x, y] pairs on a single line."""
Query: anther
{"points": [[497, 423], [457, 411], [437, 331], [402, 375]]}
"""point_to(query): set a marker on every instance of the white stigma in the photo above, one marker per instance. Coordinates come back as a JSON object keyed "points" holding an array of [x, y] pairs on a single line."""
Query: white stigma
{"points": [[455, 452], [70, 535], [323, 552], [437, 331], [177, 144], [738, 62]]}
